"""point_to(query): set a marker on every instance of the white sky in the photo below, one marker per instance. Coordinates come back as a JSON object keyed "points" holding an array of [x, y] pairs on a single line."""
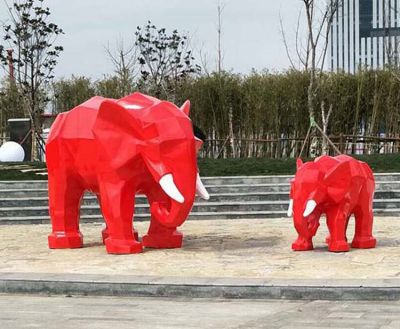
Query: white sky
{"points": [[251, 30]]}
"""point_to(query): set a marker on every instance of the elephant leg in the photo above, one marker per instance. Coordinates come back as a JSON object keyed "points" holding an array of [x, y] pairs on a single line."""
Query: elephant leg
{"points": [[158, 235], [65, 194], [302, 244], [363, 232], [337, 220], [117, 205], [328, 237], [104, 232], [105, 235]]}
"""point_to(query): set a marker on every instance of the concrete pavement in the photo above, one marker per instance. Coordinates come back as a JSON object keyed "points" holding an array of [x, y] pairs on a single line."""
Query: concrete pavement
{"points": [[17, 312], [223, 258]]}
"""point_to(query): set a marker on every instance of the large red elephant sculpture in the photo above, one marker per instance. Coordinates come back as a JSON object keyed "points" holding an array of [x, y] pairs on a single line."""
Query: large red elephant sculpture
{"points": [[116, 149], [338, 187]]}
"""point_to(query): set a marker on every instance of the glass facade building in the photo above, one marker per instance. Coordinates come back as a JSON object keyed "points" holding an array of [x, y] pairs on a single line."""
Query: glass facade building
{"points": [[365, 33]]}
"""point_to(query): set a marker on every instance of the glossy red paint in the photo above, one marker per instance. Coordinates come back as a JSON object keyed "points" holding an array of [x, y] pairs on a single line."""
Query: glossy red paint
{"points": [[340, 186], [116, 149]]}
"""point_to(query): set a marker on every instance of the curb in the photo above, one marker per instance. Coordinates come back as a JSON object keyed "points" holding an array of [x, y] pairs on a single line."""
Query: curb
{"points": [[146, 286]]}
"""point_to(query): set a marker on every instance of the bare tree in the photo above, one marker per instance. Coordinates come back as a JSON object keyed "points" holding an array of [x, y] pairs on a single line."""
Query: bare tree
{"points": [[391, 43], [286, 43], [32, 38], [125, 63], [312, 52], [318, 31], [204, 63], [165, 60], [325, 119], [220, 57]]}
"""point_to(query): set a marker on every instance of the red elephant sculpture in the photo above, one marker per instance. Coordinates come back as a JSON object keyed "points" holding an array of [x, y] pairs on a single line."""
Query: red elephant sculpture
{"points": [[338, 187], [116, 149]]}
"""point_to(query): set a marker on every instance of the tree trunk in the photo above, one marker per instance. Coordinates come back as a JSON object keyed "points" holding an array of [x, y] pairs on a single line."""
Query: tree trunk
{"points": [[231, 135]]}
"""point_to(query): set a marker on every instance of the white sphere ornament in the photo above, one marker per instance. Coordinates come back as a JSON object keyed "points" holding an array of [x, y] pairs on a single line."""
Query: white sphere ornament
{"points": [[11, 152]]}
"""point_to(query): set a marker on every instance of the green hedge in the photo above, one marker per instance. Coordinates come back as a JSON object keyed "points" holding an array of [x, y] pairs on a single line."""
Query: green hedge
{"points": [[264, 166], [246, 167], [233, 167]]}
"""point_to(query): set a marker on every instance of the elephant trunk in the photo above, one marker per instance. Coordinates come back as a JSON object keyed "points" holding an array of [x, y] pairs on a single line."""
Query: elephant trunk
{"points": [[173, 210], [173, 217], [306, 226]]}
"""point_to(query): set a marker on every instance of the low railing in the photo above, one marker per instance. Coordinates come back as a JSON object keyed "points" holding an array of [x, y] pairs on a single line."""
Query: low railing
{"points": [[280, 147], [3, 137], [291, 147]]}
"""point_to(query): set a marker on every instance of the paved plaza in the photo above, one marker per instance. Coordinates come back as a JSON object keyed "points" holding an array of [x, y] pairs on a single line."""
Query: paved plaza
{"points": [[251, 248], [17, 312]]}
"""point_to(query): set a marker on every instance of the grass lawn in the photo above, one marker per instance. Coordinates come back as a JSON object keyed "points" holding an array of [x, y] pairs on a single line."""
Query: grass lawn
{"points": [[221, 167], [17, 171]]}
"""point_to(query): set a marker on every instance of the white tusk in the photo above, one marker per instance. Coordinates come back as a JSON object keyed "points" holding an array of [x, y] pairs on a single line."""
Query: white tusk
{"points": [[200, 189], [290, 209], [311, 204], [169, 187]]}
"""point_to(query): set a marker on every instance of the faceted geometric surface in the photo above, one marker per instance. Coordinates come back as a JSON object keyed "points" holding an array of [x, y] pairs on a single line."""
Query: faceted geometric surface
{"points": [[117, 148], [337, 187]]}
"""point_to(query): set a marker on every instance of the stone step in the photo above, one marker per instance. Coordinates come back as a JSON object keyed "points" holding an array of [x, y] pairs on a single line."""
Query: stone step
{"points": [[91, 199], [24, 193], [231, 197], [224, 180], [31, 188], [215, 207], [230, 180], [193, 216], [141, 199], [209, 207], [283, 187], [387, 176], [144, 217], [213, 181], [212, 189]]}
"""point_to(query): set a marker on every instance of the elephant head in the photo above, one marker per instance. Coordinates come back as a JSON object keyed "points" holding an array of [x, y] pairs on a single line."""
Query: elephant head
{"points": [[324, 181], [158, 136]]}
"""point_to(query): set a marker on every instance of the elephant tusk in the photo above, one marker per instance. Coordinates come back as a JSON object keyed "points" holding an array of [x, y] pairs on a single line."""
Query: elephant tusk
{"points": [[290, 209], [167, 184], [311, 204], [200, 189]]}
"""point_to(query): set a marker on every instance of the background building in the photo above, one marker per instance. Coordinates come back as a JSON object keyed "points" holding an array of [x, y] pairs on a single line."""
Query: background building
{"points": [[365, 33]]}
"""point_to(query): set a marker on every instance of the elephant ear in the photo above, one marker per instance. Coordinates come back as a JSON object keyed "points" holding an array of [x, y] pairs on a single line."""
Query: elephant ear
{"points": [[299, 163], [119, 133], [337, 181], [185, 108]]}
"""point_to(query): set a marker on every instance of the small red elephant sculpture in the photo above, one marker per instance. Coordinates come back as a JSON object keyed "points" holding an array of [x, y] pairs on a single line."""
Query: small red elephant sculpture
{"points": [[338, 187], [116, 149]]}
